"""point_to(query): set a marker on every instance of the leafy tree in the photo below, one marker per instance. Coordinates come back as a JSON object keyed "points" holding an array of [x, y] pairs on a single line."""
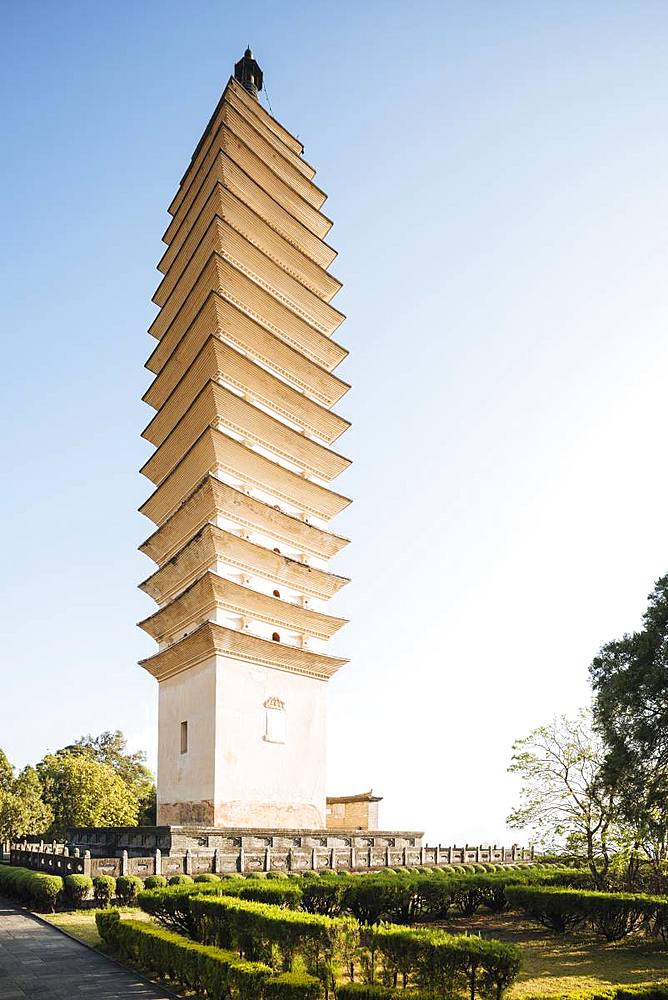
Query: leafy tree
{"points": [[111, 748], [81, 791], [6, 773], [22, 811], [565, 793], [630, 682]]}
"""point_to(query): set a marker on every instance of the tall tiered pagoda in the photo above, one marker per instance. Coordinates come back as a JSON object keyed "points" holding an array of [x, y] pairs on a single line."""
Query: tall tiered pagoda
{"points": [[242, 469]]}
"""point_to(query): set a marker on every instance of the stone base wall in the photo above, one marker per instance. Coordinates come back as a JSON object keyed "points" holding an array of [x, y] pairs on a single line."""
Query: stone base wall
{"points": [[253, 851]]}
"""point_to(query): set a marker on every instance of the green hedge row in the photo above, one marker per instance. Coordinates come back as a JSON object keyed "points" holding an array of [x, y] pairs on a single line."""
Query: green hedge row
{"points": [[635, 991], [218, 974], [406, 897], [422, 959], [38, 890], [172, 908], [613, 915]]}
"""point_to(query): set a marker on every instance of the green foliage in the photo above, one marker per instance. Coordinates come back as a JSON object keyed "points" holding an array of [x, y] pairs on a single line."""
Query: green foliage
{"points": [[155, 882], [181, 880], [104, 887], [634, 991], [265, 933], [292, 986], [106, 922], [128, 888], [612, 915], [22, 810], [172, 908], [37, 890], [83, 792], [207, 877], [566, 794], [439, 962], [77, 888], [206, 970], [630, 681], [111, 748]]}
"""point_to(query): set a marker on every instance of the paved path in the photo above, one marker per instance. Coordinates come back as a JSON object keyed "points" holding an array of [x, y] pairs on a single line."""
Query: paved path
{"points": [[39, 962]]}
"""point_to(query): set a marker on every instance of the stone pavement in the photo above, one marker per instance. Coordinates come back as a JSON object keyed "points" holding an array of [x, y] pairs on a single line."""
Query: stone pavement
{"points": [[39, 962]]}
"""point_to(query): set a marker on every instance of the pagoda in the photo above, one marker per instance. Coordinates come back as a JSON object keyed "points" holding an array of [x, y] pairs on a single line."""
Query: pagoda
{"points": [[242, 470]]}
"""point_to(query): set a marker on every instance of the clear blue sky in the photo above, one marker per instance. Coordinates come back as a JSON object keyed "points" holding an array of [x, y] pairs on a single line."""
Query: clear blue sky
{"points": [[497, 176]]}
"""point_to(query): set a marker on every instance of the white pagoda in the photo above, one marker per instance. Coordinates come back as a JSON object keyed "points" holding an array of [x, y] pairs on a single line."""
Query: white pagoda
{"points": [[243, 433]]}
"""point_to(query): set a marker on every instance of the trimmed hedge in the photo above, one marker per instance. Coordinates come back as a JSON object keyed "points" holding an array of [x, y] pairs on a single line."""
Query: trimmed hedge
{"points": [[427, 960], [404, 897], [215, 973], [77, 888], [104, 888], [613, 915], [38, 890], [171, 905], [635, 991], [128, 888], [434, 961]]}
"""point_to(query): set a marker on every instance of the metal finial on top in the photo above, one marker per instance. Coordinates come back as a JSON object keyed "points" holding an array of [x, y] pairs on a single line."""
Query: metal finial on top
{"points": [[248, 73]]}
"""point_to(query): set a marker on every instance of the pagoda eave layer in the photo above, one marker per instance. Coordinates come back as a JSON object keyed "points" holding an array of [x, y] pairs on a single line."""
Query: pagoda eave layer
{"points": [[211, 592], [214, 545], [211, 639], [221, 363], [212, 498]]}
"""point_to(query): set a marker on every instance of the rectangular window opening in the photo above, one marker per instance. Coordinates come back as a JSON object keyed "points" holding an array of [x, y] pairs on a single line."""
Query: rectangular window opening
{"points": [[184, 737]]}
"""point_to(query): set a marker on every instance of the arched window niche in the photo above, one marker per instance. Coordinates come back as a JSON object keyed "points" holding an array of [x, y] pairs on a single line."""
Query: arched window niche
{"points": [[274, 720]]}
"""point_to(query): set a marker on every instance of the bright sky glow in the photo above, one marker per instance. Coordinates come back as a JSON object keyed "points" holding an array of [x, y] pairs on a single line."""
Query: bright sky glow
{"points": [[497, 176]]}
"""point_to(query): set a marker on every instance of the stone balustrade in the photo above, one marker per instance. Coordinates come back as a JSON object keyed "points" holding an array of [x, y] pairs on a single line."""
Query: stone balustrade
{"points": [[60, 860]]}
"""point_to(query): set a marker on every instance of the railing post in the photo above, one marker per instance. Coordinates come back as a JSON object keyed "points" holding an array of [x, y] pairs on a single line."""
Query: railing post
{"points": [[388, 859], [157, 862], [314, 859], [124, 863], [188, 862], [86, 863], [267, 859], [370, 861], [242, 859], [353, 859]]}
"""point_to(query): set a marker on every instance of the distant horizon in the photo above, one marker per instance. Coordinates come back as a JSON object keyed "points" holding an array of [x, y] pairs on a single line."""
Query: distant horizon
{"points": [[497, 185]]}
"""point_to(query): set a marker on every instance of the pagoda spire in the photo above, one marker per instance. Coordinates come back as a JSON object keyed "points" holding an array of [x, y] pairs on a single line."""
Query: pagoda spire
{"points": [[248, 73]]}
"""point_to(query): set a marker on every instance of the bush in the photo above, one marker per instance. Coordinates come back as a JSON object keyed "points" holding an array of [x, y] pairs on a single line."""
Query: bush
{"points": [[181, 880], [38, 890], [369, 991], [104, 887], [613, 915], [77, 888], [438, 962], [636, 991], [197, 967], [292, 986], [106, 922], [155, 882], [277, 875], [128, 888], [207, 877], [260, 932]]}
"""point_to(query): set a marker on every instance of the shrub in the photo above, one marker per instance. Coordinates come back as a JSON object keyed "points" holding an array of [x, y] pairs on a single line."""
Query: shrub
{"points": [[197, 967], [276, 874], [38, 890], [104, 887], [155, 882], [77, 888], [106, 922], [292, 986], [181, 880], [206, 877], [260, 932], [613, 915], [128, 888]]}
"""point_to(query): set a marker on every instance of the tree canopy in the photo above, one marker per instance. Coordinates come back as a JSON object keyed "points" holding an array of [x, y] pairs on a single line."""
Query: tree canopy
{"points": [[630, 683], [82, 791]]}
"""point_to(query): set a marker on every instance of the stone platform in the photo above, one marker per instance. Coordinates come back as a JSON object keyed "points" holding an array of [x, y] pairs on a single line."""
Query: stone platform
{"points": [[139, 841]]}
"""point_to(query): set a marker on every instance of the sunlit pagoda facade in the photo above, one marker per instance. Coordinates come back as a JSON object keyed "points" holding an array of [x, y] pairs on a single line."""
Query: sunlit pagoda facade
{"points": [[245, 439]]}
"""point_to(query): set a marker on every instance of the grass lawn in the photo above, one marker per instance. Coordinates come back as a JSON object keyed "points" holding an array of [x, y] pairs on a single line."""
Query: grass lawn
{"points": [[555, 964], [81, 923]]}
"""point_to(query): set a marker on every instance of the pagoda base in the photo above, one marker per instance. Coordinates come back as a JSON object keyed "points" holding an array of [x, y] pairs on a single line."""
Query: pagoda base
{"points": [[139, 841]]}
